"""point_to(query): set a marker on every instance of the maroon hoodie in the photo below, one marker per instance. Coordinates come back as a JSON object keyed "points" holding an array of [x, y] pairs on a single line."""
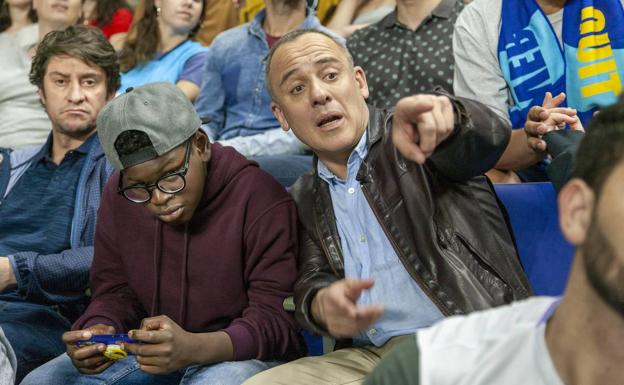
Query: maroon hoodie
{"points": [[229, 268]]}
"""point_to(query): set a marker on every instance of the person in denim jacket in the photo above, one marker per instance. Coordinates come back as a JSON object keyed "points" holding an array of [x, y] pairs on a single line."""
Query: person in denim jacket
{"points": [[234, 102], [49, 196]]}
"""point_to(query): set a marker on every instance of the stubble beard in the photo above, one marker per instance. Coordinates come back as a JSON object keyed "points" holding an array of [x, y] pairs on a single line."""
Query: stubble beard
{"points": [[79, 133], [600, 261]]}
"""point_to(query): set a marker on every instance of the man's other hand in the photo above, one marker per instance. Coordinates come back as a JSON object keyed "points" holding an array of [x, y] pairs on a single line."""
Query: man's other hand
{"points": [[7, 275], [335, 308]]}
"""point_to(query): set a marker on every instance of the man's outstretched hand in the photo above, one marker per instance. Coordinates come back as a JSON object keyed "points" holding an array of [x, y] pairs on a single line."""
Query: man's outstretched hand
{"points": [[420, 124]]}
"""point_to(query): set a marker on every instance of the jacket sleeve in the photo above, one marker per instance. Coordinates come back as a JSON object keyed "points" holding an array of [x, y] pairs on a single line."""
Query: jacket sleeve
{"points": [[479, 139], [113, 302], [52, 278], [315, 273], [265, 330], [210, 103]]}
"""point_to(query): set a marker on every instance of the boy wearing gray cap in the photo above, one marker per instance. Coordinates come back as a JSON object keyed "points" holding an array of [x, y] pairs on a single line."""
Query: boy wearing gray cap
{"points": [[194, 254]]}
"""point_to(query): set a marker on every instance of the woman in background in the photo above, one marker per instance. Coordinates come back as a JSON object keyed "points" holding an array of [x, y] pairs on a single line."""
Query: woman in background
{"points": [[17, 23], [159, 46], [113, 17], [16, 14]]}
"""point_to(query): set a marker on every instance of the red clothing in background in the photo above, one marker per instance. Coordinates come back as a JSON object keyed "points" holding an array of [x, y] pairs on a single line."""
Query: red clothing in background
{"points": [[120, 22]]}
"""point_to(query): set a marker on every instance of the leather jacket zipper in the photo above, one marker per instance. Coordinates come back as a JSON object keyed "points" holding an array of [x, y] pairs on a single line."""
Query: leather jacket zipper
{"points": [[396, 248]]}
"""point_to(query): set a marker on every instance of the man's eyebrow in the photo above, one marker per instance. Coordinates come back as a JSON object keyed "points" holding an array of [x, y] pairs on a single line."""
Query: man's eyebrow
{"points": [[59, 73], [326, 60], [287, 75], [322, 61], [82, 75]]}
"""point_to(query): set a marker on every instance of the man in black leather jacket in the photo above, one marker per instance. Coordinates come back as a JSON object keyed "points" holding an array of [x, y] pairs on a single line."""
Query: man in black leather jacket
{"points": [[398, 226]]}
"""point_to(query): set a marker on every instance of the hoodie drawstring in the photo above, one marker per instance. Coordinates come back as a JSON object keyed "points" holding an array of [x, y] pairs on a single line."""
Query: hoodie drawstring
{"points": [[157, 253], [184, 279], [184, 274]]}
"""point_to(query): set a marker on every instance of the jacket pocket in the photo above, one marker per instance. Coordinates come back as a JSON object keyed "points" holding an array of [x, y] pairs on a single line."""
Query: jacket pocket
{"points": [[482, 271]]}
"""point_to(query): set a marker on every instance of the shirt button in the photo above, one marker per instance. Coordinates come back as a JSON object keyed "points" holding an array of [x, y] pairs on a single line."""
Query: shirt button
{"points": [[351, 190], [362, 238], [372, 331]]}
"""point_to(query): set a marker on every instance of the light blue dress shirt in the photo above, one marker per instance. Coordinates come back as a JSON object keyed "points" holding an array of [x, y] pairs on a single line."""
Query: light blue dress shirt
{"points": [[368, 253]]}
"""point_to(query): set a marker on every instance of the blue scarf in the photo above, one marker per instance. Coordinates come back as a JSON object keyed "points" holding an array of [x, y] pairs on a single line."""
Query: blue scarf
{"points": [[589, 68]]}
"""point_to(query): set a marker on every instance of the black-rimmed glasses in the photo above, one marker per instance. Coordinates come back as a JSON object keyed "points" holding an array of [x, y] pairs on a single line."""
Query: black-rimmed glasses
{"points": [[169, 183]]}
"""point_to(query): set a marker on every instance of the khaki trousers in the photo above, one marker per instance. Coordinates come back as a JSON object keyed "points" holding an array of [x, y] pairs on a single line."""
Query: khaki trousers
{"points": [[344, 366]]}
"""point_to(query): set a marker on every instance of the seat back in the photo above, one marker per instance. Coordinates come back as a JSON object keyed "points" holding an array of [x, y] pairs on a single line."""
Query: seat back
{"points": [[544, 253]]}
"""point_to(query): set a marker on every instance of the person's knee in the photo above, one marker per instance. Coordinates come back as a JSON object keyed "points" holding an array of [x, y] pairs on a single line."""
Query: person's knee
{"points": [[57, 368], [277, 375]]}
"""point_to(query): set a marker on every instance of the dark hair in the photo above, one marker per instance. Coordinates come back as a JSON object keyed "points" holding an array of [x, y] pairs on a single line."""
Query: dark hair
{"points": [[5, 16], [79, 41], [602, 149], [292, 36], [144, 35], [104, 10]]}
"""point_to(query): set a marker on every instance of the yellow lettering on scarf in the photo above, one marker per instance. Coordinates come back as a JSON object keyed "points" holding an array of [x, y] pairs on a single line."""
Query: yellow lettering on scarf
{"points": [[593, 20], [593, 47]]}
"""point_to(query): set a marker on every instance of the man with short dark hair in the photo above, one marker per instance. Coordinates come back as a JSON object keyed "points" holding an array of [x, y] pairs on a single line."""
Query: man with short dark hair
{"points": [[49, 196], [398, 227], [194, 255], [576, 339]]}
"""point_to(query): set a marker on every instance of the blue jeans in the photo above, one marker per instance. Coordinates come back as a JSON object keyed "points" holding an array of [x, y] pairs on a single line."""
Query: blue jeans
{"points": [[61, 371], [285, 168], [34, 332]]}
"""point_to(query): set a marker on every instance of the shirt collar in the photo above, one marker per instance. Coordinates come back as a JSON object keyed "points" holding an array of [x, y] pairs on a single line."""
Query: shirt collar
{"points": [[44, 153], [355, 159], [85, 147], [255, 27], [442, 11]]}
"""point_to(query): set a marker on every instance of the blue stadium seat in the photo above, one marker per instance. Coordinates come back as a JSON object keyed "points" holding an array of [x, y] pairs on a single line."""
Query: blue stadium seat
{"points": [[545, 254]]}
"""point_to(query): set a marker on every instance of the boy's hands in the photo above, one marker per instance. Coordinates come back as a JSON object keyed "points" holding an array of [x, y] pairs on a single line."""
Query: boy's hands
{"points": [[167, 347], [88, 359]]}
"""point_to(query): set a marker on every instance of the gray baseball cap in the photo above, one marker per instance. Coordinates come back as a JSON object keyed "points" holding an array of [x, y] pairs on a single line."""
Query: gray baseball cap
{"points": [[160, 110]]}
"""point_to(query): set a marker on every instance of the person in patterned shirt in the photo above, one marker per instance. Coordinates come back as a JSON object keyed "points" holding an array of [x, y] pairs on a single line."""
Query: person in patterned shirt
{"points": [[409, 51]]}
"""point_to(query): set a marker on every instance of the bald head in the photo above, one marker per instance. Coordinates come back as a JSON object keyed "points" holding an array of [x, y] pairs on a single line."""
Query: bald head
{"points": [[292, 38]]}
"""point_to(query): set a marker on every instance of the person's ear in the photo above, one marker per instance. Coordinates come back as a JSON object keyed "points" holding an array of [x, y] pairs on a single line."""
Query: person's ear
{"points": [[576, 205], [202, 144], [279, 115], [360, 78], [42, 98]]}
